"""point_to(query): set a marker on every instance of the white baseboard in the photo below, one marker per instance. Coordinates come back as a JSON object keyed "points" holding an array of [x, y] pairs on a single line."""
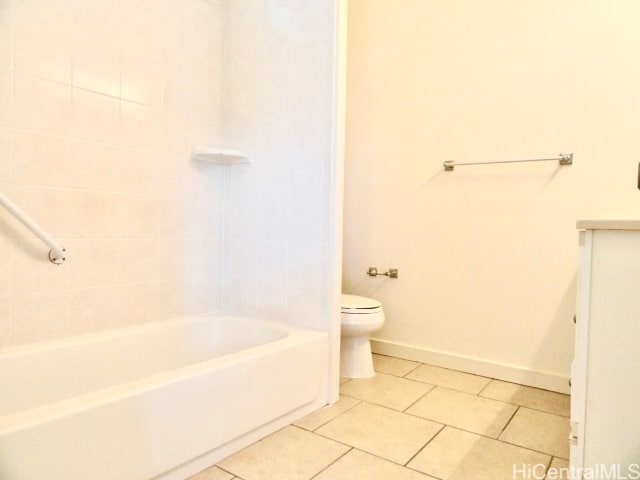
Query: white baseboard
{"points": [[508, 373]]}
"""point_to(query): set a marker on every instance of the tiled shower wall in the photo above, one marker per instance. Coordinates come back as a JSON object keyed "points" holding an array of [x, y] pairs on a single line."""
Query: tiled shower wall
{"points": [[279, 90], [101, 102]]}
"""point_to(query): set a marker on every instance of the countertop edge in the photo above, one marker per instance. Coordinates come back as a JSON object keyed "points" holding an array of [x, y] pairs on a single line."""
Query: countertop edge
{"points": [[610, 224]]}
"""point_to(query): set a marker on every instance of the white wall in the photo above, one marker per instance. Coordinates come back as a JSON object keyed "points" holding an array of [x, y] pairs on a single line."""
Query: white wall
{"points": [[100, 105], [487, 254]]}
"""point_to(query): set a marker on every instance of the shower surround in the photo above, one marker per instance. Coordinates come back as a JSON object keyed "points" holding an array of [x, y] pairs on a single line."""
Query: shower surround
{"points": [[101, 105]]}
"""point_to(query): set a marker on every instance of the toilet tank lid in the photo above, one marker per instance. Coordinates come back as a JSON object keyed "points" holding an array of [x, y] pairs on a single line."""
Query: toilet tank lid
{"points": [[354, 301]]}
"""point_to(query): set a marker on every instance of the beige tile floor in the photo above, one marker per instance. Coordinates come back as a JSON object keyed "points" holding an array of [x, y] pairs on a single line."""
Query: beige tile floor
{"points": [[414, 422]]}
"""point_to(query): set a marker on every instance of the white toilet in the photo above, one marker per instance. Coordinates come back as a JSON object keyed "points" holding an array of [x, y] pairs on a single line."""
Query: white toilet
{"points": [[360, 317]]}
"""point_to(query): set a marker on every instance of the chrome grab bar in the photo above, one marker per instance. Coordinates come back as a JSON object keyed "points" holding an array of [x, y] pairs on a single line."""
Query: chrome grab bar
{"points": [[57, 253], [562, 158]]}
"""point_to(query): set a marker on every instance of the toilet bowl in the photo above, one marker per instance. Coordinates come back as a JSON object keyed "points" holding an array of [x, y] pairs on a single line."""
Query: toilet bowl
{"points": [[360, 317]]}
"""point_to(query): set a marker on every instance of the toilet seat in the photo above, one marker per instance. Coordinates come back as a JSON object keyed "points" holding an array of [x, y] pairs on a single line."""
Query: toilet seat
{"points": [[360, 315], [353, 304]]}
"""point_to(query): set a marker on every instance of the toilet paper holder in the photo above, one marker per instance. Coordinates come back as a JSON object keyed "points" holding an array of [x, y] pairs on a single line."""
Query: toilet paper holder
{"points": [[373, 272]]}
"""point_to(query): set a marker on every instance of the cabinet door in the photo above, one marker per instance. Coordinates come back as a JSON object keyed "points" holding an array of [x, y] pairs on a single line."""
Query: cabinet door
{"points": [[612, 428], [579, 365]]}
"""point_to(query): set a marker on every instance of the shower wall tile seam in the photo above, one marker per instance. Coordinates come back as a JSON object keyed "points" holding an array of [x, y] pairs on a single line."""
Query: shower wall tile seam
{"points": [[73, 52], [94, 142], [192, 198], [94, 190], [113, 285], [225, 239]]}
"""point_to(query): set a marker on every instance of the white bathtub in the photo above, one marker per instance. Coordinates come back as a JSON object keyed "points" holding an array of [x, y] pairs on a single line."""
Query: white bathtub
{"points": [[155, 401]]}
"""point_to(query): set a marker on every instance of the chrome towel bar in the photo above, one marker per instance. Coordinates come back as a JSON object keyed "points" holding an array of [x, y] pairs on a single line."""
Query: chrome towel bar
{"points": [[57, 253], [562, 158]]}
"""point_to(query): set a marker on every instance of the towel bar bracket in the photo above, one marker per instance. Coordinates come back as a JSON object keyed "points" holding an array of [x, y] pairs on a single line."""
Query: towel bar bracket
{"points": [[566, 158]]}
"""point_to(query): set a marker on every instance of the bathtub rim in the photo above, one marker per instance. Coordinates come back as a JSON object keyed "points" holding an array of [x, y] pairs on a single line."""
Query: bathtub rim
{"points": [[117, 332]]}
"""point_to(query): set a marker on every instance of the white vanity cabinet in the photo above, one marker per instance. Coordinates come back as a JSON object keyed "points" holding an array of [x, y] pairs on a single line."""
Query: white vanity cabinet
{"points": [[605, 391]]}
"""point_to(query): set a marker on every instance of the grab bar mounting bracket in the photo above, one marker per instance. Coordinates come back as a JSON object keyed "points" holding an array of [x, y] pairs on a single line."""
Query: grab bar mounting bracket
{"points": [[58, 257]]}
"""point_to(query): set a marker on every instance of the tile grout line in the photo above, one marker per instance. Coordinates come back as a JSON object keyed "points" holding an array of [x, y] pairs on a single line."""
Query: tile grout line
{"points": [[423, 473], [361, 450], [332, 439], [344, 383], [371, 453], [508, 443], [225, 471], [518, 384], [325, 468], [370, 402], [534, 409], [425, 445], [323, 436], [351, 447], [546, 470], [478, 394], [525, 448], [217, 464], [433, 387], [485, 436], [444, 425], [387, 406], [340, 414], [517, 408], [491, 379], [422, 448], [484, 388], [509, 421], [469, 431], [413, 369], [349, 396]]}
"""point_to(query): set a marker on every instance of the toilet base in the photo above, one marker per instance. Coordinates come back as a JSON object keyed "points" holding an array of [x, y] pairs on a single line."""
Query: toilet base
{"points": [[356, 360]]}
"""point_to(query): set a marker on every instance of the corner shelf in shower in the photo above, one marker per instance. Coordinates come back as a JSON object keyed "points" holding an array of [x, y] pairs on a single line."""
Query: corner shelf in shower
{"points": [[220, 157]]}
